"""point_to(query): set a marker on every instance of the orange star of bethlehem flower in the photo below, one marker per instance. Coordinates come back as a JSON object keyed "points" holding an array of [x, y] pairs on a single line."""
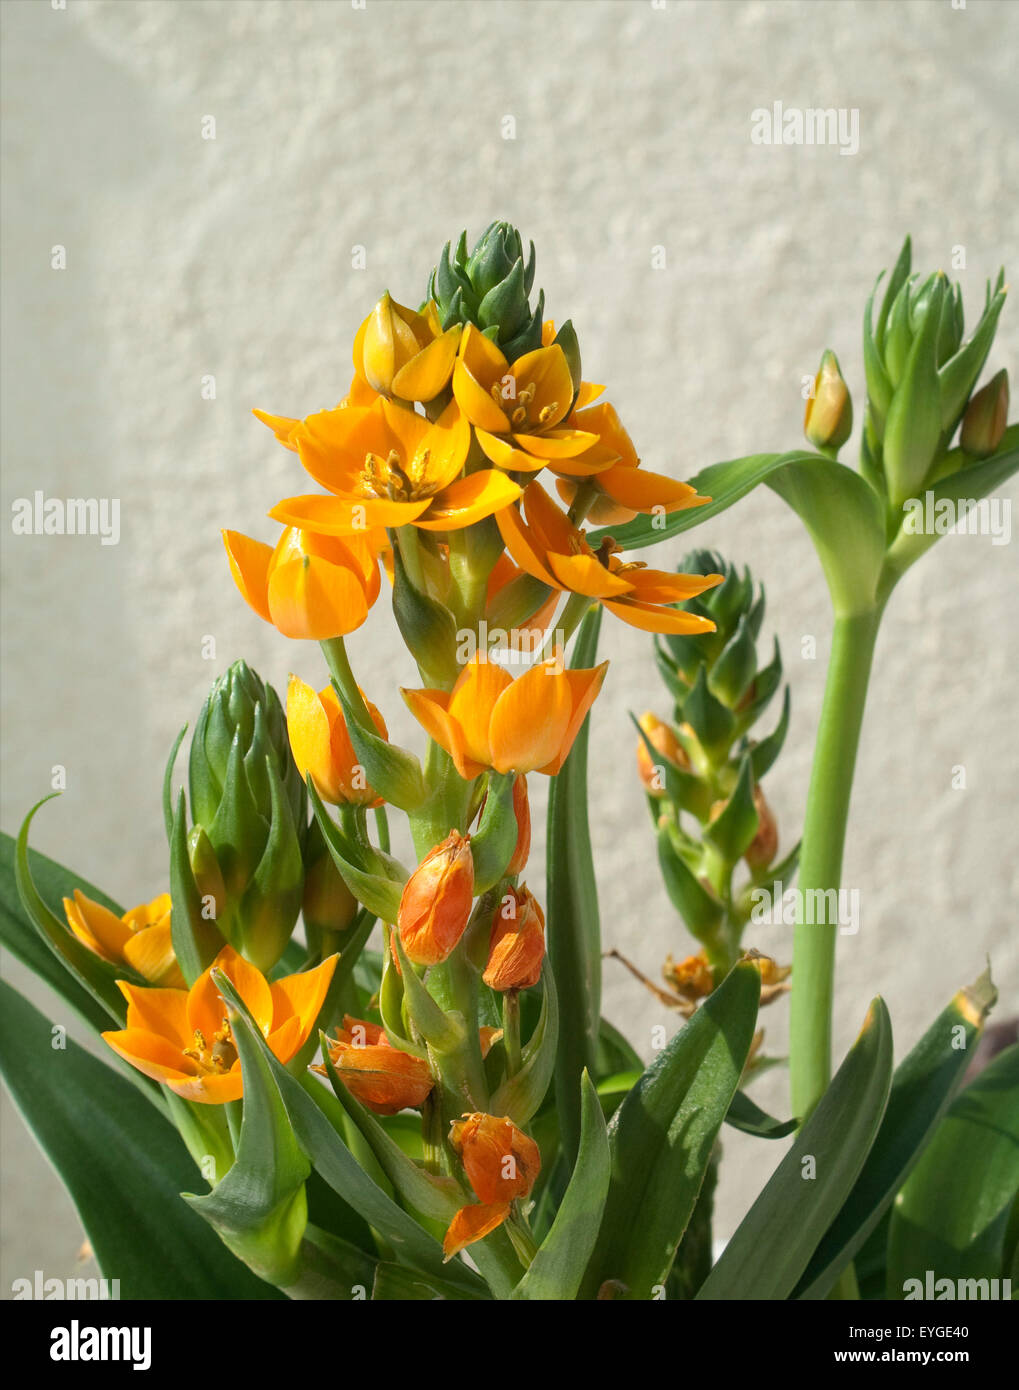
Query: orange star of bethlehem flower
{"points": [[624, 488], [436, 902], [548, 546], [284, 427], [141, 938], [320, 743], [517, 943], [386, 465], [182, 1037], [501, 1163], [310, 586], [518, 410], [490, 720], [382, 1077]]}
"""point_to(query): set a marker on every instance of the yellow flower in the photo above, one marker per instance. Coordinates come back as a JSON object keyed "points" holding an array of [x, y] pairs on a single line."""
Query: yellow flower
{"points": [[489, 720], [182, 1038], [310, 586], [398, 352], [548, 546], [388, 466], [518, 410], [141, 938]]}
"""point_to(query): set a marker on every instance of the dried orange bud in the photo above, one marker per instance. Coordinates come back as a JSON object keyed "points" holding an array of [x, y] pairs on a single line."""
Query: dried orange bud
{"points": [[500, 1160], [517, 945], [381, 1077], [665, 742], [764, 846], [488, 1037], [692, 978], [522, 811], [436, 901], [471, 1224]]}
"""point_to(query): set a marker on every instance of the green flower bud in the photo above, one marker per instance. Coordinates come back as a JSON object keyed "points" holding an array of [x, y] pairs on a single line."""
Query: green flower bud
{"points": [[329, 907], [986, 418], [920, 373], [490, 287], [249, 814], [828, 419]]}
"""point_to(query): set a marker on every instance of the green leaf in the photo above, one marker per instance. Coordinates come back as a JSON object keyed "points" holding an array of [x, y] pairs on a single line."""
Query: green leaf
{"points": [[433, 1196], [122, 1163], [710, 720], [495, 839], [260, 1208], [445, 1032], [777, 1237], [952, 1214], [922, 1088], [426, 626], [196, 939], [736, 825], [968, 484], [380, 892], [845, 519], [521, 1096], [168, 785], [94, 974], [700, 910], [321, 1141], [764, 752], [745, 1115], [574, 931], [662, 1137], [394, 772], [19, 935], [557, 1269]]}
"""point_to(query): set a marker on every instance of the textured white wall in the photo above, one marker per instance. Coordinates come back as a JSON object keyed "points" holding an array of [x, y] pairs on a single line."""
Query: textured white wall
{"points": [[381, 126]]}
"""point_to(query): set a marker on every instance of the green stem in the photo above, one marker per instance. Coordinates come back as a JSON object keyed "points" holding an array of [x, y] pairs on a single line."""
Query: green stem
{"points": [[824, 830], [511, 1030], [335, 653]]}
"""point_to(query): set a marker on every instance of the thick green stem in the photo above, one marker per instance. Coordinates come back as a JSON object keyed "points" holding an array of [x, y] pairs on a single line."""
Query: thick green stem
{"points": [[335, 654], [824, 831]]}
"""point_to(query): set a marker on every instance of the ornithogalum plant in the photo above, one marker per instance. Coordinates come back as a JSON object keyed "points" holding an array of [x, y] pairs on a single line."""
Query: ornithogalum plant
{"points": [[413, 1093]]}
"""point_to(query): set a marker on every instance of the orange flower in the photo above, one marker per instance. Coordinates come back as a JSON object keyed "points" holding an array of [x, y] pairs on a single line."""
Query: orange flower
{"points": [[663, 741], [518, 409], [182, 1037], [311, 586], [549, 547], [141, 938], [321, 745], [437, 900], [284, 427], [692, 978], [624, 488], [501, 1163], [398, 352], [517, 944], [388, 466], [490, 720], [382, 1077]]}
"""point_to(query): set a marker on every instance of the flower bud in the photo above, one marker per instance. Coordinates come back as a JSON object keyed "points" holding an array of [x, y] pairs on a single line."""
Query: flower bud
{"points": [[522, 811], [322, 748], [402, 353], [249, 812], [500, 1160], [329, 907], [764, 846], [489, 287], [986, 418], [665, 742], [517, 943], [379, 1075], [828, 419], [437, 900]]}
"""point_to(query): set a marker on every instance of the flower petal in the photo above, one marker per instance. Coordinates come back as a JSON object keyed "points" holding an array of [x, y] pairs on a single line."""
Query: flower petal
{"points": [[503, 455], [473, 1223], [472, 702], [519, 541], [99, 928], [211, 1089], [161, 1012], [424, 376], [149, 1053], [530, 720], [651, 617], [557, 444], [643, 491], [301, 996], [585, 574], [584, 686], [429, 709], [206, 1009], [150, 952], [282, 427], [345, 516], [470, 499], [311, 598]]}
